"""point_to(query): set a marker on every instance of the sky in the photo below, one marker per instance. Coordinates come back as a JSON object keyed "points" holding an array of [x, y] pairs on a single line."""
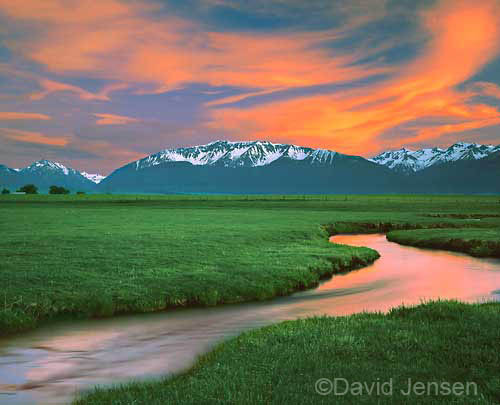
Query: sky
{"points": [[97, 84]]}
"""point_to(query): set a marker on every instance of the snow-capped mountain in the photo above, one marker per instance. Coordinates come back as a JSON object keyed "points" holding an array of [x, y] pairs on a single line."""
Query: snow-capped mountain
{"points": [[409, 161], [48, 166], [45, 173], [250, 167], [96, 178], [266, 167], [237, 154]]}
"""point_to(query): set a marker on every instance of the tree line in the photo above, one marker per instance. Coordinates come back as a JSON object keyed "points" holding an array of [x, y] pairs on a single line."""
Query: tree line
{"points": [[33, 189]]}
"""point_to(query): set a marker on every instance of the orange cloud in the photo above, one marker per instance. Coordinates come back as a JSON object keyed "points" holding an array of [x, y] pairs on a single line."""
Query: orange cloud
{"points": [[112, 119], [119, 40], [23, 116], [32, 137], [351, 121]]}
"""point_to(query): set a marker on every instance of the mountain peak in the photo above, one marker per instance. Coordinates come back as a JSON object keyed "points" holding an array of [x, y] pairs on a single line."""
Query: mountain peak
{"points": [[47, 164], [49, 167], [465, 144], [412, 161], [96, 178], [45, 173], [237, 154]]}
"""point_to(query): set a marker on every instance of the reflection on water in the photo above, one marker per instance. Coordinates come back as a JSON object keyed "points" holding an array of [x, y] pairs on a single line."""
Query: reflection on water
{"points": [[49, 365]]}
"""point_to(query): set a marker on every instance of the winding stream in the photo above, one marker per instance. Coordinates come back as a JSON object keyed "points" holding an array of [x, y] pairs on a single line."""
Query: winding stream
{"points": [[49, 365]]}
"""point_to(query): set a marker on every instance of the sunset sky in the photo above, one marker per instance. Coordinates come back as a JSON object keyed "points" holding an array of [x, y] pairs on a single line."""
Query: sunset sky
{"points": [[96, 84]]}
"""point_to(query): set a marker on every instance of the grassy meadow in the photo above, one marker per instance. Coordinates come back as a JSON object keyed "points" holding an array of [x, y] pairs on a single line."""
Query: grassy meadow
{"points": [[99, 255]]}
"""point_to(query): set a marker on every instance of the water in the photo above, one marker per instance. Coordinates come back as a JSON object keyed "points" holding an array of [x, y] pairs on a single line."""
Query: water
{"points": [[51, 364]]}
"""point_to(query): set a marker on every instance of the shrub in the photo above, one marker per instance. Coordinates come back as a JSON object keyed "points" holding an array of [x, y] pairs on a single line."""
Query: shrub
{"points": [[5, 191], [29, 189], [58, 190], [80, 192]]}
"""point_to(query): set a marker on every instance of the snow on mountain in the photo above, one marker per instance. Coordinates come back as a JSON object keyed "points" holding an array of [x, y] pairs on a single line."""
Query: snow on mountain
{"points": [[44, 166], [96, 178], [237, 154], [409, 161], [45, 173], [54, 169]]}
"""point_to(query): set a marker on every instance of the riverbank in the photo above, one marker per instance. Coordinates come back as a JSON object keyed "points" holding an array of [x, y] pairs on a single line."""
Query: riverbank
{"points": [[434, 343], [475, 242], [97, 256]]}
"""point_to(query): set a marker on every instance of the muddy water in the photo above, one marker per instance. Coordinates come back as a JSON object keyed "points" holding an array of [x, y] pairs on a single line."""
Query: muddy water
{"points": [[51, 364]]}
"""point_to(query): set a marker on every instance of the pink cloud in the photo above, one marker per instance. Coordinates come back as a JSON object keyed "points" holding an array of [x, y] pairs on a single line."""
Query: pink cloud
{"points": [[33, 137], [113, 119], [23, 116]]}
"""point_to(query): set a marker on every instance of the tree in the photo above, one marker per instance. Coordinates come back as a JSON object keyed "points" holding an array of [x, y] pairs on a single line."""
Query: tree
{"points": [[58, 190], [29, 189], [5, 191]]}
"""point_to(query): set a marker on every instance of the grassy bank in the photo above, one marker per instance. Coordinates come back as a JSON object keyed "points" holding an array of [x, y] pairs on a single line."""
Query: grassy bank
{"points": [[436, 342], [83, 256], [475, 242]]}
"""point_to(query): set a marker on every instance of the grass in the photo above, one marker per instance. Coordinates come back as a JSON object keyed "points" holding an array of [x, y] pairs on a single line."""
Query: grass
{"points": [[473, 241], [100, 255], [432, 343]]}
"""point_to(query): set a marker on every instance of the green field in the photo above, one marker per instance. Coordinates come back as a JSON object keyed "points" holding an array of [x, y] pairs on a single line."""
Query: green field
{"points": [[93, 255], [99, 255], [432, 344]]}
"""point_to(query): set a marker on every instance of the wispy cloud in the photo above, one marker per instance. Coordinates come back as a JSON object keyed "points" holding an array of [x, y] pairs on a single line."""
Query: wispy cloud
{"points": [[48, 87], [113, 119], [23, 116], [485, 89], [240, 97], [51, 86], [32, 137]]}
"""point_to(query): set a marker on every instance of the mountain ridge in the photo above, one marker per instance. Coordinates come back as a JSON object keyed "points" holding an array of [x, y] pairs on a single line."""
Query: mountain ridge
{"points": [[45, 173], [235, 154], [410, 161], [263, 166]]}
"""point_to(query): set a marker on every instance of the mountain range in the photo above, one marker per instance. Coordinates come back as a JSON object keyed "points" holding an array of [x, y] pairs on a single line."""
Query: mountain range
{"points": [[266, 167], [409, 161]]}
